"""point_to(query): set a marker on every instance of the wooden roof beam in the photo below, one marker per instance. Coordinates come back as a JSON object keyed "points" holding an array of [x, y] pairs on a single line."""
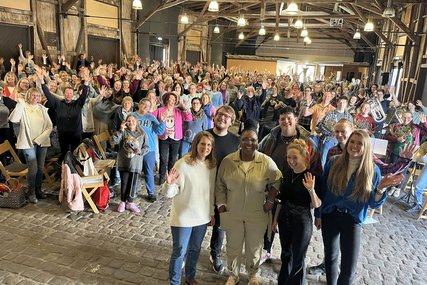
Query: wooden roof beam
{"points": [[251, 34], [379, 33], [197, 21], [67, 5], [159, 7]]}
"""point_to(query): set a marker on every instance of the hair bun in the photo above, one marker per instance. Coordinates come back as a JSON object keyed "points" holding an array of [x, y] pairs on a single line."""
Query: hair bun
{"points": [[250, 125]]}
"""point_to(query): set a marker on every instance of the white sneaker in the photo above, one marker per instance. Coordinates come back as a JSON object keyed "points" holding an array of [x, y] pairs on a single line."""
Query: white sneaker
{"points": [[396, 193], [232, 280], [391, 191]]}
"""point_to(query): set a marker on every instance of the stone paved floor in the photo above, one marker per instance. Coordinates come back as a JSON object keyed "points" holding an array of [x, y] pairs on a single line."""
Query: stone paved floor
{"points": [[40, 244]]}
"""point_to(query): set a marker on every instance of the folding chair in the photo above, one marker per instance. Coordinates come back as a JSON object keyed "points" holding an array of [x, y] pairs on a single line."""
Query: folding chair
{"points": [[50, 169], [100, 140], [90, 185], [15, 169]]}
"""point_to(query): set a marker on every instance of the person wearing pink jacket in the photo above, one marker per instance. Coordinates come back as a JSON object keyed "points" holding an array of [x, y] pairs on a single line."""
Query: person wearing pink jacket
{"points": [[170, 141]]}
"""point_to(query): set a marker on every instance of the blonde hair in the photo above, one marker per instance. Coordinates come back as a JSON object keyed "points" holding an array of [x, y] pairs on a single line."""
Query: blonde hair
{"points": [[30, 92], [301, 146], [191, 158], [364, 173], [127, 99]]}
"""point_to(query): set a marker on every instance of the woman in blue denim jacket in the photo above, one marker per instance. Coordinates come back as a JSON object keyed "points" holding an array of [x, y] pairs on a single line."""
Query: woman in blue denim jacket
{"points": [[351, 183]]}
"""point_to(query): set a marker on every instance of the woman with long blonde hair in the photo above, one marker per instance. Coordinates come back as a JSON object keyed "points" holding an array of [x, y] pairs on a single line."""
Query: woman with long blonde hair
{"points": [[352, 183]]}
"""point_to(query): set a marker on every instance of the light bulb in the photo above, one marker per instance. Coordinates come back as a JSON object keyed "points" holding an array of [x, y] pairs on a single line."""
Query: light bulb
{"points": [[304, 33], [137, 4], [357, 35], [292, 9], [216, 29], [306, 40], [184, 19], [241, 36], [262, 31], [276, 37], [298, 24], [213, 6], [241, 22], [369, 27]]}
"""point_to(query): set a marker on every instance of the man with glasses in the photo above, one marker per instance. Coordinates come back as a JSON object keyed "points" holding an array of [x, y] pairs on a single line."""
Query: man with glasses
{"points": [[225, 143]]}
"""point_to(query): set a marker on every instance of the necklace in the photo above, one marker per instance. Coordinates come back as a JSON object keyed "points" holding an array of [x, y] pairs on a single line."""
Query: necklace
{"points": [[287, 140], [295, 178]]}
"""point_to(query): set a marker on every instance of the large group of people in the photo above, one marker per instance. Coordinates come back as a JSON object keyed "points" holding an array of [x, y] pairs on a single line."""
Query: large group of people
{"points": [[301, 146]]}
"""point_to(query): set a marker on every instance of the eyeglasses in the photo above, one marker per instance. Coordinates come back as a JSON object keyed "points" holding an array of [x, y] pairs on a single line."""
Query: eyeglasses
{"points": [[251, 140], [221, 114]]}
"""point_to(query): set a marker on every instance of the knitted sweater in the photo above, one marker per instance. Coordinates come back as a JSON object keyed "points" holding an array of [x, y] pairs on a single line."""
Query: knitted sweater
{"points": [[193, 194]]}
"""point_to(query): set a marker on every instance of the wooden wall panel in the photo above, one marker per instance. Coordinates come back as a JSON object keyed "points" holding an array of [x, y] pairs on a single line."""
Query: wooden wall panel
{"points": [[108, 14], [16, 4], [48, 21]]}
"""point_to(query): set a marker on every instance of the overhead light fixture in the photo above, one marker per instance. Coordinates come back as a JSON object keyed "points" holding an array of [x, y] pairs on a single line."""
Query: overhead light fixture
{"points": [[216, 29], [292, 8], [304, 33], [389, 12], [276, 37], [307, 40], [241, 36], [137, 4], [213, 6], [369, 27], [241, 22], [261, 31], [159, 39], [357, 35], [184, 19], [298, 24]]}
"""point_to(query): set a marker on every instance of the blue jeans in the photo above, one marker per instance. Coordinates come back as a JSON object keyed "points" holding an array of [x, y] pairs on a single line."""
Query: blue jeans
{"points": [[327, 144], [35, 158], [148, 164], [184, 148], [187, 241], [420, 186]]}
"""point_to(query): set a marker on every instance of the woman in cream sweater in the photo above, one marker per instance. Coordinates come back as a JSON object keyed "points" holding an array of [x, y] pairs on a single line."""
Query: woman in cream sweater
{"points": [[33, 138], [191, 183]]}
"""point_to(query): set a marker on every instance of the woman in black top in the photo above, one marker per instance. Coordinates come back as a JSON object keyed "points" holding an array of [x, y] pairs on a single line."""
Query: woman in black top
{"points": [[293, 216]]}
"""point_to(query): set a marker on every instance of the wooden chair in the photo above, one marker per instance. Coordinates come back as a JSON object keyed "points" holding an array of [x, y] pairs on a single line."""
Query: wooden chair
{"points": [[421, 214], [90, 185], [16, 169], [50, 169], [101, 139]]}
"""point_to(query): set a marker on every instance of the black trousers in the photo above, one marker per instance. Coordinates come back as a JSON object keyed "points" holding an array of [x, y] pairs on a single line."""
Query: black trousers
{"points": [[68, 142], [295, 230], [217, 237], [340, 233], [128, 188], [168, 149]]}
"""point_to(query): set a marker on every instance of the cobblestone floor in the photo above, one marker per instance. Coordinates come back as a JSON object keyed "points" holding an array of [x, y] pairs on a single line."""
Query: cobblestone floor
{"points": [[40, 244]]}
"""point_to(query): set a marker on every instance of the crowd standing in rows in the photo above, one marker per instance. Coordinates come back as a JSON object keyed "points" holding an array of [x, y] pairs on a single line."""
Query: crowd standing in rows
{"points": [[302, 145]]}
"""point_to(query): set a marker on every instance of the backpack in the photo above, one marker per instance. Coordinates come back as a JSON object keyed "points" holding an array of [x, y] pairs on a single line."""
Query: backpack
{"points": [[101, 197]]}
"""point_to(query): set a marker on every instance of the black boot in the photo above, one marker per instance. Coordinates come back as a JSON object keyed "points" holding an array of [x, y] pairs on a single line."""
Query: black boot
{"points": [[40, 194]]}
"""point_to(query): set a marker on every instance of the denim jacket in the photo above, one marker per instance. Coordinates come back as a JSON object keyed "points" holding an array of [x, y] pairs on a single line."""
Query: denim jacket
{"points": [[358, 210]]}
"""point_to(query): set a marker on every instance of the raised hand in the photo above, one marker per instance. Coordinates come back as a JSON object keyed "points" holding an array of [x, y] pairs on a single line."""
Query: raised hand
{"points": [[309, 181], [264, 85], [172, 176], [423, 118], [103, 91], [409, 151], [390, 180]]}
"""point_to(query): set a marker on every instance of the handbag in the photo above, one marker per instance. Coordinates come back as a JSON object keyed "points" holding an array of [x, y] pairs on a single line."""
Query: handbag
{"points": [[12, 194]]}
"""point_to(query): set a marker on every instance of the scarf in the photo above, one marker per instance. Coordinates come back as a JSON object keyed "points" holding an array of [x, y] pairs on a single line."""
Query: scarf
{"points": [[197, 115]]}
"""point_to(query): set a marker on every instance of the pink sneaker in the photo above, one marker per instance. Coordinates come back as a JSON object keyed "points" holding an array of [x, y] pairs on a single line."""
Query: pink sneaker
{"points": [[121, 207], [132, 207]]}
